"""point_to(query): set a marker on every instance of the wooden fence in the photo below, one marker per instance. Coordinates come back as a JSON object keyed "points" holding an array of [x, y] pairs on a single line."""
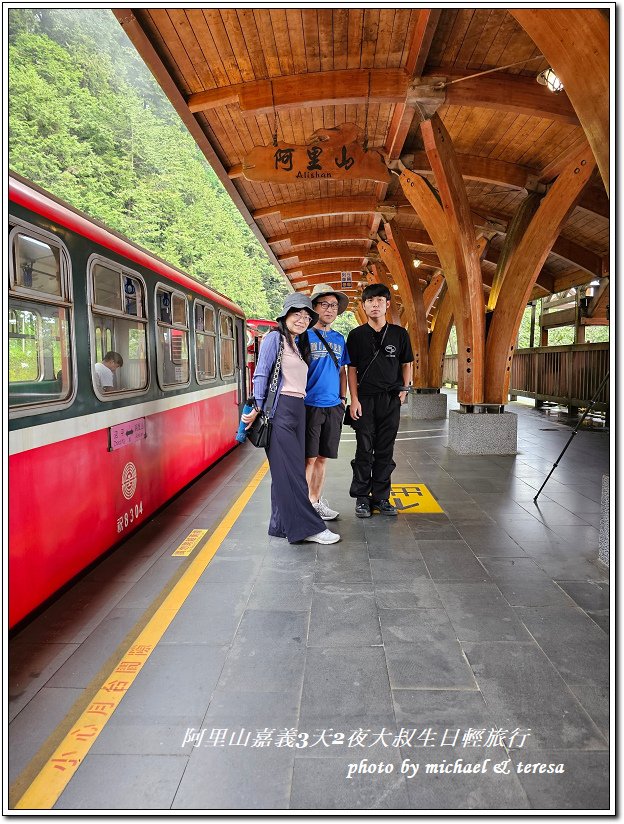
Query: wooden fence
{"points": [[567, 375]]}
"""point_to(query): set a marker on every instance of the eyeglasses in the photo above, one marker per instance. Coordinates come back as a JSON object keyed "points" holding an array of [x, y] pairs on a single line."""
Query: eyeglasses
{"points": [[327, 305], [302, 314]]}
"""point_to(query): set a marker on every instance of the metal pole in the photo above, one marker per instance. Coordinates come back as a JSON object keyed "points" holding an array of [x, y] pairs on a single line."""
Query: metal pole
{"points": [[585, 413]]}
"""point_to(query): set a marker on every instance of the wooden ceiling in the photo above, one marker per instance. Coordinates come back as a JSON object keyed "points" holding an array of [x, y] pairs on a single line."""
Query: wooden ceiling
{"points": [[233, 74]]}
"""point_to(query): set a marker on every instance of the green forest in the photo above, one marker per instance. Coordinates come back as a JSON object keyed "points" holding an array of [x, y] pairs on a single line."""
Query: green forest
{"points": [[88, 122]]}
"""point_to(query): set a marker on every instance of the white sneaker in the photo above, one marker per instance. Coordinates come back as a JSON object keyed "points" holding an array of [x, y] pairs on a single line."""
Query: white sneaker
{"points": [[323, 509], [324, 537]]}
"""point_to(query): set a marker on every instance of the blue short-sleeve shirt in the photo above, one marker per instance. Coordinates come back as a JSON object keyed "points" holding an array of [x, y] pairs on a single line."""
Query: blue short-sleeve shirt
{"points": [[323, 387]]}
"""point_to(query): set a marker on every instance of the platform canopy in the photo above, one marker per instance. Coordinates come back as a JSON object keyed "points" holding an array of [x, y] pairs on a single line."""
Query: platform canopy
{"points": [[292, 81]]}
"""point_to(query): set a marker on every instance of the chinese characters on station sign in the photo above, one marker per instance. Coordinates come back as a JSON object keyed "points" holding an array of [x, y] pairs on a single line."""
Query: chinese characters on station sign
{"points": [[346, 280], [332, 154]]}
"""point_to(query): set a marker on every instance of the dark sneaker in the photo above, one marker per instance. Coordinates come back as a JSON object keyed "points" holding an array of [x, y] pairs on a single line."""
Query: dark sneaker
{"points": [[362, 508], [383, 507]]}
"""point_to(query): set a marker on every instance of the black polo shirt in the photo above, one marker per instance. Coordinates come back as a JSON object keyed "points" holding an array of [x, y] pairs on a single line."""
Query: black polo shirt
{"points": [[385, 373]]}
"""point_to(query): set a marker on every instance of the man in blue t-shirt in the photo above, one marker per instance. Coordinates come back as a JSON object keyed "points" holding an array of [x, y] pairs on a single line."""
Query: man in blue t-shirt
{"points": [[326, 392]]}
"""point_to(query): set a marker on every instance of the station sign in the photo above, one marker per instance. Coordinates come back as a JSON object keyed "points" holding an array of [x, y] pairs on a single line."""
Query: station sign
{"points": [[331, 154], [346, 279]]}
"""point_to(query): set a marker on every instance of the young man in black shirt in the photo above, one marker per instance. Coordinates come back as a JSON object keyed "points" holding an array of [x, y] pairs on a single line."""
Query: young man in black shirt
{"points": [[380, 374]]}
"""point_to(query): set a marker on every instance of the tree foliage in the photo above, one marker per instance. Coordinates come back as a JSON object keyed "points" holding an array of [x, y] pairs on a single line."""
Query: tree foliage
{"points": [[88, 122]]}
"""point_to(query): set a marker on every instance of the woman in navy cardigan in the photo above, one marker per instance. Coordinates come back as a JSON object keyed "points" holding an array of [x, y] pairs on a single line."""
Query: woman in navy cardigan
{"points": [[292, 514]]}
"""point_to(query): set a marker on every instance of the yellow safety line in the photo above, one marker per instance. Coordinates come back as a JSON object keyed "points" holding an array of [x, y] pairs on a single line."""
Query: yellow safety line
{"points": [[57, 772]]}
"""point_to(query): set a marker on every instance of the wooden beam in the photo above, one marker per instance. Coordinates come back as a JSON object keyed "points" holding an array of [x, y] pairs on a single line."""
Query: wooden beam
{"points": [[576, 43], [442, 325], [485, 169], [330, 234], [322, 207], [506, 92], [450, 225], [526, 261], [397, 258], [343, 87], [432, 291], [324, 253], [381, 275]]}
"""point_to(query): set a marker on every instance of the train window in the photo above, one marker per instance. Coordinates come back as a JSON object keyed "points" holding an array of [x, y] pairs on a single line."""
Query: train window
{"points": [[37, 265], [226, 348], [39, 322], [118, 325], [205, 337], [172, 338], [39, 353]]}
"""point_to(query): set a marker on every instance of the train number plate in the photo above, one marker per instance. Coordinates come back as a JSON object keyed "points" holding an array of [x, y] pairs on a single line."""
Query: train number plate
{"points": [[126, 433]]}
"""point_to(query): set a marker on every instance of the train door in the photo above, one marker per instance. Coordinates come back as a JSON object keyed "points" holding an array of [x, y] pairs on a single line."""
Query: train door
{"points": [[241, 362]]}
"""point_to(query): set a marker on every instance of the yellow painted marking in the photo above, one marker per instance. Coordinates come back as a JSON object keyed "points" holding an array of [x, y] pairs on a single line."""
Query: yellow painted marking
{"points": [[190, 542], [57, 772], [413, 498]]}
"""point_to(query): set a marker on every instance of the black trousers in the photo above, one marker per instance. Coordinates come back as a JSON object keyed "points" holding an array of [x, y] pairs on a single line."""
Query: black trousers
{"points": [[375, 433], [292, 514]]}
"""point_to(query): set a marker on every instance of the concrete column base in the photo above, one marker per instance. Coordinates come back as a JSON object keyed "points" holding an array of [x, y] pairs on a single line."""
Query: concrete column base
{"points": [[483, 434], [428, 406], [603, 535]]}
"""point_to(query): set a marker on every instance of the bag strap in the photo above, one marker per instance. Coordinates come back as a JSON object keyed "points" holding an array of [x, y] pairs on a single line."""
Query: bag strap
{"points": [[383, 337], [275, 374], [326, 345]]}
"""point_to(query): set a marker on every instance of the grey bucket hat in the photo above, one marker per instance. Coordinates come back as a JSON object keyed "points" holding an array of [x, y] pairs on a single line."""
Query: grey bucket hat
{"points": [[298, 301], [322, 289]]}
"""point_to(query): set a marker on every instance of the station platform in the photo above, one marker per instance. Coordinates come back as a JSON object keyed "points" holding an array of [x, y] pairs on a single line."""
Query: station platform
{"points": [[429, 661]]}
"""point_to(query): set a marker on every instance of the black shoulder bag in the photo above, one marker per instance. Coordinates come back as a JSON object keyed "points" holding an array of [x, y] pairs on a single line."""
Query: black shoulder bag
{"points": [[329, 349], [347, 417], [259, 433]]}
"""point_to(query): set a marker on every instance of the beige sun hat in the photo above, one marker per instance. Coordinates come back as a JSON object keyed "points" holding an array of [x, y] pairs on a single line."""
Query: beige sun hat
{"points": [[322, 289]]}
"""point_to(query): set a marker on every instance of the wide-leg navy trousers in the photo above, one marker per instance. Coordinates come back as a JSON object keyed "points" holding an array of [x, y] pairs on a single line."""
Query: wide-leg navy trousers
{"points": [[292, 514]]}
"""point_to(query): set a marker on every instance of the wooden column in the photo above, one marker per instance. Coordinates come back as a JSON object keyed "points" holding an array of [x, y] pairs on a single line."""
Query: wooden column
{"points": [[447, 218], [442, 325], [523, 268], [575, 41], [432, 290], [399, 260]]}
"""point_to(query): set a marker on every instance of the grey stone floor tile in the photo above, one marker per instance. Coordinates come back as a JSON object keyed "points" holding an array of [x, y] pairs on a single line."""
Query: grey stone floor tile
{"points": [[448, 713], [479, 612], [456, 562], [232, 570], [236, 778], [133, 782], [210, 614], [575, 645], [124, 735], [87, 660], [490, 541], [602, 619], [583, 786], [392, 572], [344, 688], [579, 569], [589, 595], [533, 593], [391, 552], [463, 791], [264, 668], [287, 567], [340, 618], [430, 664], [287, 596], [252, 710], [418, 592], [176, 680], [400, 626], [29, 730], [524, 691], [30, 666], [323, 784], [336, 563], [581, 536], [512, 570], [595, 702], [272, 628]]}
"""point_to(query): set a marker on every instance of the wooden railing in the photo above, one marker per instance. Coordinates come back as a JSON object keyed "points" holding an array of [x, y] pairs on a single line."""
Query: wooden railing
{"points": [[567, 375]]}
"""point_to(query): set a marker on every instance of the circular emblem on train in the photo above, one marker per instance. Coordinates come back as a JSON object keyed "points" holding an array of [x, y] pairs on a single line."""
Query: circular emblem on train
{"points": [[129, 480]]}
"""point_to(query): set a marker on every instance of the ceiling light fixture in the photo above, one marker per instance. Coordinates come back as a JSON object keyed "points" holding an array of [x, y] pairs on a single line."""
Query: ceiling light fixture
{"points": [[417, 262], [549, 79], [395, 287]]}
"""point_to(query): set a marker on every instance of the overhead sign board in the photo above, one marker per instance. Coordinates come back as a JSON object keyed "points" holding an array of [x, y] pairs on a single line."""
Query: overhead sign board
{"points": [[346, 279], [331, 154]]}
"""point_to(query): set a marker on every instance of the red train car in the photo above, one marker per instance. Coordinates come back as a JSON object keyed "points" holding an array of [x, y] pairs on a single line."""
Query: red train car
{"points": [[89, 463]]}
